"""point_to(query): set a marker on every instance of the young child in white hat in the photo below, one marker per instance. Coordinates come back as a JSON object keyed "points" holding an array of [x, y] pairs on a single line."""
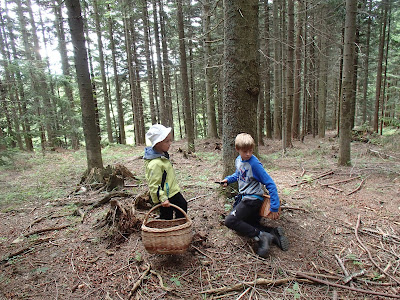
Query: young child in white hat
{"points": [[160, 174]]}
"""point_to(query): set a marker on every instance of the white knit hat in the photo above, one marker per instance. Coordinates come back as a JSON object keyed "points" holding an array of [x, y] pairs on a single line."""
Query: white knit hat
{"points": [[157, 133]]}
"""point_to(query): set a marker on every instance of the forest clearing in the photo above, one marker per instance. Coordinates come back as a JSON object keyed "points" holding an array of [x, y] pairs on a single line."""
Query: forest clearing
{"points": [[342, 223]]}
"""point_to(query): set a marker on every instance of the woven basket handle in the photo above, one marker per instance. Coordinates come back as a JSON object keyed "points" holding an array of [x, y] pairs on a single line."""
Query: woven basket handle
{"points": [[158, 205]]}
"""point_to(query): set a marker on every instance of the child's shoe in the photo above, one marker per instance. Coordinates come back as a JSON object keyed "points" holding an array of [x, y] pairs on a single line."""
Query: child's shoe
{"points": [[279, 238], [264, 241]]}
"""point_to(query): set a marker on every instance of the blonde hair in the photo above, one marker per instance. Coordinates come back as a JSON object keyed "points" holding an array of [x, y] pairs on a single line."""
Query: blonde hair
{"points": [[244, 141]]}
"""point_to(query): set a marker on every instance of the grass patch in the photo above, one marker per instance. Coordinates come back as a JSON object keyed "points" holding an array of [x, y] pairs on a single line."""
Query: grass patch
{"points": [[32, 176]]}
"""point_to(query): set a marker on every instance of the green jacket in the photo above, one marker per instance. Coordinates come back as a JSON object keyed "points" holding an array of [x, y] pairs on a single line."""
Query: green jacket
{"points": [[160, 176]]}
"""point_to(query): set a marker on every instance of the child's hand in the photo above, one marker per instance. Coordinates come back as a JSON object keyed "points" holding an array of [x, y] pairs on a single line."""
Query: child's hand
{"points": [[166, 203], [273, 215], [222, 182]]}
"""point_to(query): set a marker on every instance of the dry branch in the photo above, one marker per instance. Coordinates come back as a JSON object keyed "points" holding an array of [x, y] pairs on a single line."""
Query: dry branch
{"points": [[239, 286], [161, 281], [23, 250], [369, 253], [313, 178], [45, 230], [138, 282], [353, 275], [108, 197], [302, 275], [340, 181], [345, 272], [359, 187]]}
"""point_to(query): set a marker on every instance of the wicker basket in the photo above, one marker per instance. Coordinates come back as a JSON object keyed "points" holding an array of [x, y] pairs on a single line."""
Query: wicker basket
{"points": [[167, 236], [265, 207]]}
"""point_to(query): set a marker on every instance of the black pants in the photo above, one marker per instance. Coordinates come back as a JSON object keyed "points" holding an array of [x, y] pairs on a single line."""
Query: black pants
{"points": [[245, 217], [167, 213]]}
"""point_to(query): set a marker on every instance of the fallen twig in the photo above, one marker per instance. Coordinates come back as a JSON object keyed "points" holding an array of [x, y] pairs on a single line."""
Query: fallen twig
{"points": [[381, 155], [201, 196], [239, 286], [353, 275], [202, 253], [293, 208], [302, 275], [340, 181], [138, 282], [46, 230], [345, 272], [369, 253], [161, 281], [108, 197], [359, 187], [312, 179], [334, 188], [23, 250]]}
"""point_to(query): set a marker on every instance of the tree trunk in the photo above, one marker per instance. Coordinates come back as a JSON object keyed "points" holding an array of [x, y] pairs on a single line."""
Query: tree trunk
{"points": [[160, 79], [289, 75], [103, 72], [138, 90], [93, 149], [366, 65], [267, 72], [62, 46], [380, 66], [241, 75], [166, 68], [41, 85], [277, 74], [211, 117], [297, 74], [91, 68], [149, 70], [120, 110], [185, 81], [348, 73], [323, 80]]}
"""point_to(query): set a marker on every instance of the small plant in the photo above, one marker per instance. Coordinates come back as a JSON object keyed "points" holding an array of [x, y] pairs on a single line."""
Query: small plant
{"points": [[138, 257], [377, 276], [175, 281], [307, 178], [354, 259], [295, 291], [227, 207]]}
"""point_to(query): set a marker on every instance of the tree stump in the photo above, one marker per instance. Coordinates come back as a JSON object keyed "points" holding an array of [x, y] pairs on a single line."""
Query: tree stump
{"points": [[120, 220]]}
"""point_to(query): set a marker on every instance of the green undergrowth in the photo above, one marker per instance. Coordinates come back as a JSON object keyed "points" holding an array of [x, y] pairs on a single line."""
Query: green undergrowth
{"points": [[32, 176]]}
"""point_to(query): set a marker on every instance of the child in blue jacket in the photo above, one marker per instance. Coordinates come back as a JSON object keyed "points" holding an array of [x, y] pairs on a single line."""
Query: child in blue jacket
{"points": [[244, 217]]}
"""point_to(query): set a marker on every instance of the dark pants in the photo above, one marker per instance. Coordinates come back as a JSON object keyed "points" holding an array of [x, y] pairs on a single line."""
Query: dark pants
{"points": [[167, 213], [245, 217]]}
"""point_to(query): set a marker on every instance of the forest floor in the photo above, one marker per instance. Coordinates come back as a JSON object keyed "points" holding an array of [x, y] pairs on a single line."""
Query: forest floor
{"points": [[342, 222]]}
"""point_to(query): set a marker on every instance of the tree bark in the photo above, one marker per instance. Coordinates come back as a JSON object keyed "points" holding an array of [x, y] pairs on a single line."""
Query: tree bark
{"points": [[62, 45], [378, 86], [267, 72], [290, 74], [241, 76], [366, 65], [160, 79], [185, 81], [93, 149], [348, 73], [146, 29], [211, 116], [103, 71], [118, 99], [277, 74]]}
